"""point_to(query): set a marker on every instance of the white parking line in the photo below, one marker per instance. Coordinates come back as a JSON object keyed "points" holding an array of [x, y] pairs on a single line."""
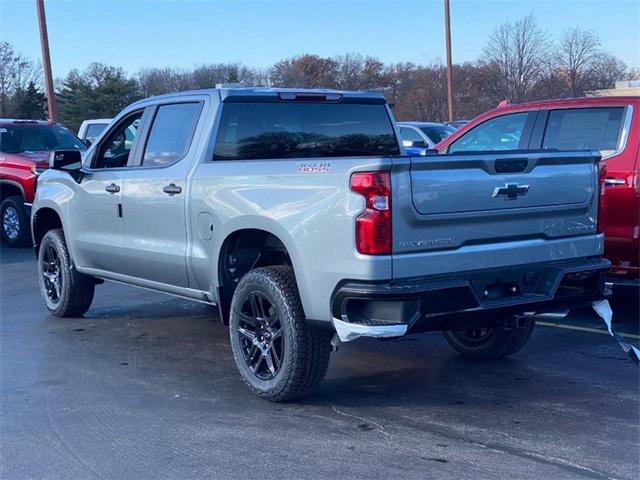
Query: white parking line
{"points": [[585, 329]]}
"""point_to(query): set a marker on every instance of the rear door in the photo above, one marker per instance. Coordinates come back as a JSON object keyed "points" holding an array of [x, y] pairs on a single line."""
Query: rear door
{"points": [[154, 193]]}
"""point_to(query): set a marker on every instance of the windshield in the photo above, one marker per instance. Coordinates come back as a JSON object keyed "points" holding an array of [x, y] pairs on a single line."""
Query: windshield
{"points": [[303, 130], [37, 138], [438, 132]]}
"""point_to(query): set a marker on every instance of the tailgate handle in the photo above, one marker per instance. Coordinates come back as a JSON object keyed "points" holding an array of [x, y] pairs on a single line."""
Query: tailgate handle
{"points": [[511, 165]]}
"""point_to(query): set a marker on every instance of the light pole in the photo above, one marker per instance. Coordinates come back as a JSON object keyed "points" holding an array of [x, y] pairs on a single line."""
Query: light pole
{"points": [[46, 61], [447, 36]]}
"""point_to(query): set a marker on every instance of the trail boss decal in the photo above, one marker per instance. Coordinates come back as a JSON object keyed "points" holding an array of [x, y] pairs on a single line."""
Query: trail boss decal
{"points": [[315, 167]]}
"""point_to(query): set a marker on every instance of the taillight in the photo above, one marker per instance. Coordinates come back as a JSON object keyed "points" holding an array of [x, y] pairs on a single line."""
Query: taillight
{"points": [[373, 226], [602, 206]]}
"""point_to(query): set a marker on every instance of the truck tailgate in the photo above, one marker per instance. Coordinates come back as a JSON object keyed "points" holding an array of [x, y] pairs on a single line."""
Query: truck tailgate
{"points": [[447, 202]]}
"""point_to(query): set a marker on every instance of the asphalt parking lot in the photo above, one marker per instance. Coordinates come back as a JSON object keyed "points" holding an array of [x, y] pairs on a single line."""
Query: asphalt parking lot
{"points": [[144, 386]]}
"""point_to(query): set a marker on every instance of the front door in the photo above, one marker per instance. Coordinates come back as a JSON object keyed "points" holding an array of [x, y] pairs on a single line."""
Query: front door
{"points": [[153, 198], [98, 236]]}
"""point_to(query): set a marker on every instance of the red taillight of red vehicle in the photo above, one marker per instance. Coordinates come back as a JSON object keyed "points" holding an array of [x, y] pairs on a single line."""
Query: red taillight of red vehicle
{"points": [[602, 206], [373, 226]]}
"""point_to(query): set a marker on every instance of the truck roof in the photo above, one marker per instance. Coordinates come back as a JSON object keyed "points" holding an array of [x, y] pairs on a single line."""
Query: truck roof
{"points": [[266, 94]]}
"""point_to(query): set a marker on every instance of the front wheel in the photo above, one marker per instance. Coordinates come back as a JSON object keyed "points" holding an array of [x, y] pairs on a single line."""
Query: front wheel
{"points": [[15, 222], [280, 357], [490, 343], [65, 291]]}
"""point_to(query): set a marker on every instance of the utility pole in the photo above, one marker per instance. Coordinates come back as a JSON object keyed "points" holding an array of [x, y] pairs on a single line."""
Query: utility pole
{"points": [[46, 62], [447, 36]]}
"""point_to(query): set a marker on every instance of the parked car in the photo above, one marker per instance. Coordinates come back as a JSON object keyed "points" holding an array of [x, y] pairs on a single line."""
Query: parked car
{"points": [[610, 125], [24, 153], [91, 129], [417, 137], [296, 214]]}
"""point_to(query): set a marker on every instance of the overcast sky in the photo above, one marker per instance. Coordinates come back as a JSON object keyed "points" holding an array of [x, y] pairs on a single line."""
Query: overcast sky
{"points": [[137, 33]]}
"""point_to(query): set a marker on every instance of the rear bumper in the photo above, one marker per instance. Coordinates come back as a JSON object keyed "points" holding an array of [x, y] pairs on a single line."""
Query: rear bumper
{"points": [[470, 299]]}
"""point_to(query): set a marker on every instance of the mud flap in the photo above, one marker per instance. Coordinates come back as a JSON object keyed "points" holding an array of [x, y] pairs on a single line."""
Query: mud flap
{"points": [[603, 309]]}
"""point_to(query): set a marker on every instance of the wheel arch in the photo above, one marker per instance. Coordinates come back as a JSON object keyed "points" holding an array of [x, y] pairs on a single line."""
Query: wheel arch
{"points": [[249, 247], [9, 188], [44, 219]]}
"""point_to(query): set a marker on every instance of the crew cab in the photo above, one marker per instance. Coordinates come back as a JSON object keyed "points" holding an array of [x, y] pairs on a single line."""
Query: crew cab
{"points": [[24, 153], [610, 125], [295, 212]]}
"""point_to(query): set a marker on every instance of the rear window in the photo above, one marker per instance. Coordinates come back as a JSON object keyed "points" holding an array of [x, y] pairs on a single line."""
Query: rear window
{"points": [[251, 131], [35, 138], [584, 129]]}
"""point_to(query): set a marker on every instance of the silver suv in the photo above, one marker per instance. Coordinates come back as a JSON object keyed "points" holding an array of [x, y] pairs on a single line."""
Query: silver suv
{"points": [[299, 216]]}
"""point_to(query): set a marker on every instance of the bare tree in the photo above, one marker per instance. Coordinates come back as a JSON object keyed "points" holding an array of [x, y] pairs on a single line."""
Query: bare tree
{"points": [[156, 81], [304, 71], [606, 70], [357, 72], [633, 74], [16, 72], [517, 55], [578, 53]]}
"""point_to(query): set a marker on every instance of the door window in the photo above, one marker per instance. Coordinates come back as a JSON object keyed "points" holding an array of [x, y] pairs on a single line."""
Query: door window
{"points": [[410, 135], [584, 129], [115, 150], [499, 133], [171, 133]]}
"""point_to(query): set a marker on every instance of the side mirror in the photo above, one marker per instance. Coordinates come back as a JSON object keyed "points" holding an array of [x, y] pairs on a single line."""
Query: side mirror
{"points": [[68, 160], [87, 142]]}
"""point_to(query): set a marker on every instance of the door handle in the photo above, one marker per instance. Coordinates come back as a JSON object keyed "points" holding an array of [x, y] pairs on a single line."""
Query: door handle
{"points": [[614, 181], [172, 189], [113, 188]]}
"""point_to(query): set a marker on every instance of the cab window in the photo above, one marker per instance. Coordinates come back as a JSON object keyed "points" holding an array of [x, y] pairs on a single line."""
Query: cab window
{"points": [[171, 133], [499, 133], [115, 150]]}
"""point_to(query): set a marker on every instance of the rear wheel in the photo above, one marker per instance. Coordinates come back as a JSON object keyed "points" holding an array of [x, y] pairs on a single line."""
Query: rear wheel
{"points": [[491, 343], [15, 222], [280, 357], [65, 292]]}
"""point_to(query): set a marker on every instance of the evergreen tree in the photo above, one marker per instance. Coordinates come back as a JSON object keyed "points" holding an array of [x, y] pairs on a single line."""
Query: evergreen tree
{"points": [[31, 103]]}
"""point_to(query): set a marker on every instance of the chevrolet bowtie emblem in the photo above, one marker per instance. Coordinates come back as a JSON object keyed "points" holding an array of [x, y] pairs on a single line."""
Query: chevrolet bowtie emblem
{"points": [[510, 191]]}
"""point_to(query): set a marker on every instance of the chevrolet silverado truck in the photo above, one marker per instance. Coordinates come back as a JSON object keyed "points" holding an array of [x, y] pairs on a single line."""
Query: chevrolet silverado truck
{"points": [[25, 146], [298, 214]]}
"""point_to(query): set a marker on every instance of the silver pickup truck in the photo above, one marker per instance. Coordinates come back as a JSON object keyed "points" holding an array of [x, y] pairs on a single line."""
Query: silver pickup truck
{"points": [[299, 216]]}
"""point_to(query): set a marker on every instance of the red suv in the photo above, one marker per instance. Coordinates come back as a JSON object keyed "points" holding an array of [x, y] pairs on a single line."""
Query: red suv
{"points": [[608, 124], [24, 152]]}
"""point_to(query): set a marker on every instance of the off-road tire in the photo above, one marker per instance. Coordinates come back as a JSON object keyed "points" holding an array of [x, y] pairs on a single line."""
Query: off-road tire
{"points": [[76, 289], [499, 343], [306, 349], [23, 237]]}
